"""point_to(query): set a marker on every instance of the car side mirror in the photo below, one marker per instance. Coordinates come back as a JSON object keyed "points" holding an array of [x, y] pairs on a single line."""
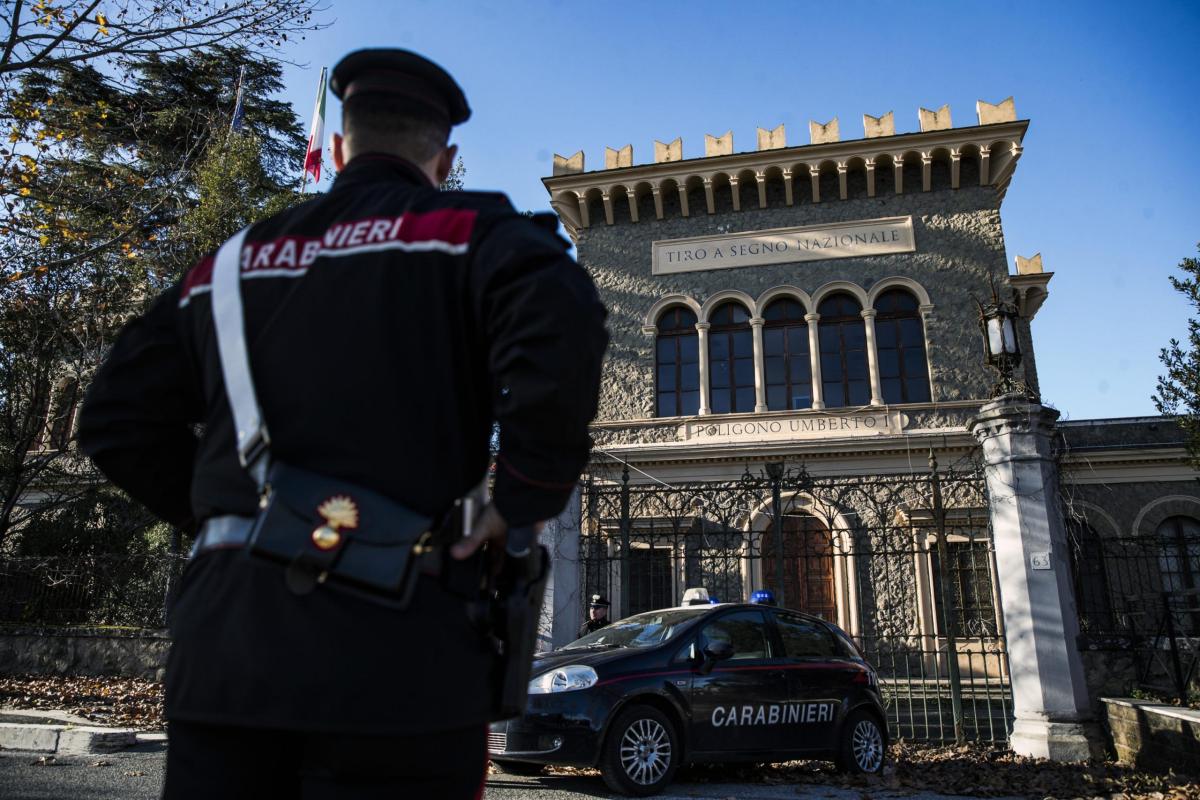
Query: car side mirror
{"points": [[714, 652]]}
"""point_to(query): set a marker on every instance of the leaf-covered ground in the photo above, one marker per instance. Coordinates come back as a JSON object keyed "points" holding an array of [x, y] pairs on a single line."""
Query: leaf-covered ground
{"points": [[121, 702], [971, 770]]}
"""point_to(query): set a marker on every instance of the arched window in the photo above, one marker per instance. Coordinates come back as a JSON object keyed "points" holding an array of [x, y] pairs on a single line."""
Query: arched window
{"points": [[677, 364], [731, 360], [1179, 567], [786, 360], [900, 341], [1090, 572], [844, 380]]}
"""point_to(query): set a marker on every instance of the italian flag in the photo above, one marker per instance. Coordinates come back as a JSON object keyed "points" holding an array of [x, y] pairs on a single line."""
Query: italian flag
{"points": [[312, 159]]}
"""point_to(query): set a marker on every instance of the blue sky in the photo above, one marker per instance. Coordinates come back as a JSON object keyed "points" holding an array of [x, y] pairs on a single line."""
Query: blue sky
{"points": [[1108, 188]]}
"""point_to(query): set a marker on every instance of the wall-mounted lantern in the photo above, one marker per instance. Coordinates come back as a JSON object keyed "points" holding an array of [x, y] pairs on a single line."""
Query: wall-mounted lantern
{"points": [[1001, 347]]}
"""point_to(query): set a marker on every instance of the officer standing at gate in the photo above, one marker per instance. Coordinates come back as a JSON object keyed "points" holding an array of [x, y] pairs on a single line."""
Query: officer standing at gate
{"points": [[386, 325], [597, 615]]}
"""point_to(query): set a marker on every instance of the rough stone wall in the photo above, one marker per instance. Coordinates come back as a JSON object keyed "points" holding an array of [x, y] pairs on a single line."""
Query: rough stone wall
{"points": [[1112, 509], [141, 655], [960, 250]]}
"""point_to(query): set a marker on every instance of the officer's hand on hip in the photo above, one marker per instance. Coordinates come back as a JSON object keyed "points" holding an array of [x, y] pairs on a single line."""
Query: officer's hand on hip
{"points": [[489, 527]]}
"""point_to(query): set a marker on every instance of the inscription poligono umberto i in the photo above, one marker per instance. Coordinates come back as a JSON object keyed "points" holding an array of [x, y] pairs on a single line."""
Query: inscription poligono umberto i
{"points": [[783, 245], [802, 425]]}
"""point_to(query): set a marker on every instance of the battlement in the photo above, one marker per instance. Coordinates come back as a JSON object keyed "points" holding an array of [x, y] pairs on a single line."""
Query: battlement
{"points": [[936, 156]]}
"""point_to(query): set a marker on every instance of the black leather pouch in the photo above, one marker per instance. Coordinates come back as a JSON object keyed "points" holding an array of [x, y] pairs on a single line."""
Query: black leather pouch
{"points": [[328, 531]]}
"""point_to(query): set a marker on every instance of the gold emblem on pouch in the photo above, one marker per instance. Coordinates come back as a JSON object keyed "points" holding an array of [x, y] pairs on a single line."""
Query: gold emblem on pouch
{"points": [[338, 512]]}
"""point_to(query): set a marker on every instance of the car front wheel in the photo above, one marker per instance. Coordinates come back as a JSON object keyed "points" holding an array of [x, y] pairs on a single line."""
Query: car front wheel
{"points": [[641, 752], [861, 749]]}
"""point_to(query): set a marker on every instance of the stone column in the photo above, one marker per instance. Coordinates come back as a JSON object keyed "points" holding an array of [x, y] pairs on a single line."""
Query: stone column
{"points": [[760, 377], [702, 348], [814, 359], [868, 315], [1050, 698], [562, 607]]}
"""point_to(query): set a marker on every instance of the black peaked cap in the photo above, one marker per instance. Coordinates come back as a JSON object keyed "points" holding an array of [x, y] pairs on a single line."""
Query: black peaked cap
{"points": [[400, 72]]}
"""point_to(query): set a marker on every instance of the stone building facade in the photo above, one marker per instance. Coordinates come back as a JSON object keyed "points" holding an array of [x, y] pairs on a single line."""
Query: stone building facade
{"points": [[818, 307]]}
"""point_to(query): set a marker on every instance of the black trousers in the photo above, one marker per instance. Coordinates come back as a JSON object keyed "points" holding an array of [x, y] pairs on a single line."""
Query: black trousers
{"points": [[218, 761]]}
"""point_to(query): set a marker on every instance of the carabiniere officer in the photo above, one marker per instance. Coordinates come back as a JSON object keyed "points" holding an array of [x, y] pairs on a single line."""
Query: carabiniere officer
{"points": [[388, 325]]}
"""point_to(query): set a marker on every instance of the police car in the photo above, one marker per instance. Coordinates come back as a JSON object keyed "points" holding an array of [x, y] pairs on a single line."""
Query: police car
{"points": [[702, 682]]}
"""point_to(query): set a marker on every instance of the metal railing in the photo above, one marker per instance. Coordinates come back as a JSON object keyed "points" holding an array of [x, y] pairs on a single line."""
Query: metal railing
{"points": [[55, 592], [904, 564]]}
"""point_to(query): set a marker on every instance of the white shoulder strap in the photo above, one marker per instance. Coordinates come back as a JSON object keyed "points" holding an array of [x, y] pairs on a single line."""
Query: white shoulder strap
{"points": [[230, 326]]}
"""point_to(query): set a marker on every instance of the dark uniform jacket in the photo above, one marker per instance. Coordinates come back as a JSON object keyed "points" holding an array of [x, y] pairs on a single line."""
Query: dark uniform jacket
{"points": [[593, 625], [388, 325]]}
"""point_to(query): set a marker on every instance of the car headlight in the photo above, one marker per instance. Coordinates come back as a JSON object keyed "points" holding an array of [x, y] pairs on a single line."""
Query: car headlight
{"points": [[564, 679]]}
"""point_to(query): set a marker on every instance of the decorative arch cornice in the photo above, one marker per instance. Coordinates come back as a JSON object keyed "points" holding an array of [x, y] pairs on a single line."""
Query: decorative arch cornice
{"points": [[650, 323], [786, 290], [1092, 513], [1154, 512], [833, 287], [901, 282], [725, 295], [1001, 140]]}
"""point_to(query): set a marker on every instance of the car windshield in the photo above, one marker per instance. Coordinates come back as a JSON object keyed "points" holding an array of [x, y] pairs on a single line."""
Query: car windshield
{"points": [[640, 630]]}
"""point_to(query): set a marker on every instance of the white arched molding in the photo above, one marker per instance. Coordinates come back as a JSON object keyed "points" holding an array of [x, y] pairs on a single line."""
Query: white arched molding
{"points": [[1092, 514], [776, 292], [898, 282], [834, 287], [1153, 513], [837, 522], [724, 296], [650, 323]]}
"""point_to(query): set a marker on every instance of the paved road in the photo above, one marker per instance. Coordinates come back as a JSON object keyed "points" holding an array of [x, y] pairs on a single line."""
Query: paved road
{"points": [[136, 774]]}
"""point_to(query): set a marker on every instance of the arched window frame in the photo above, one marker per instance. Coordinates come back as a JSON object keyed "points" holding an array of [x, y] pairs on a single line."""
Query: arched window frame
{"points": [[792, 334], [676, 331], [845, 362], [910, 381], [1089, 572], [731, 339], [1178, 539]]}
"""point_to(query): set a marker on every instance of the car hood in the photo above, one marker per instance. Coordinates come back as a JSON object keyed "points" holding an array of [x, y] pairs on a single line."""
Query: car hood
{"points": [[587, 656]]}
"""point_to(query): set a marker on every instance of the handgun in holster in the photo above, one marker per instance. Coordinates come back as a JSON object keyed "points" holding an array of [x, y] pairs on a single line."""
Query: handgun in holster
{"points": [[515, 609]]}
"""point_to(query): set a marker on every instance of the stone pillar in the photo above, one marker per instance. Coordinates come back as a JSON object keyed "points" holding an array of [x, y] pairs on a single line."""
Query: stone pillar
{"points": [[814, 359], [868, 315], [1050, 698], [702, 352], [760, 375], [562, 607]]}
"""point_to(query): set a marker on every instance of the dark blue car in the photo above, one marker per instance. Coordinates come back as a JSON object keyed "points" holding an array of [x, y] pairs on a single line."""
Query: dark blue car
{"points": [[731, 682]]}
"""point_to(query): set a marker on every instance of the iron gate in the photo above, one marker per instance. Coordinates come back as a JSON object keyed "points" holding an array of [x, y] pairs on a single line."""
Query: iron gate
{"points": [[862, 551]]}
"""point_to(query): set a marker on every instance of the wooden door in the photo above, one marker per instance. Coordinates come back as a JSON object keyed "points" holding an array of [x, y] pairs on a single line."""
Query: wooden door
{"points": [[807, 566]]}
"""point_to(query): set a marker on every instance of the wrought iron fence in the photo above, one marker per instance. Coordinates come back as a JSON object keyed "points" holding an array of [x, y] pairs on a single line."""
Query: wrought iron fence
{"points": [[905, 564], [1140, 596], [86, 591]]}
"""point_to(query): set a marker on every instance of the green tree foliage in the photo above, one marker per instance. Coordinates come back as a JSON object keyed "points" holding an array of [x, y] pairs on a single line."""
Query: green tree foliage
{"points": [[110, 192], [454, 181], [1179, 388], [48, 34]]}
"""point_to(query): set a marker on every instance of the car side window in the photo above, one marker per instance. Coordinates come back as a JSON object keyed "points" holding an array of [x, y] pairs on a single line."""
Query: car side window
{"points": [[746, 631], [806, 639]]}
